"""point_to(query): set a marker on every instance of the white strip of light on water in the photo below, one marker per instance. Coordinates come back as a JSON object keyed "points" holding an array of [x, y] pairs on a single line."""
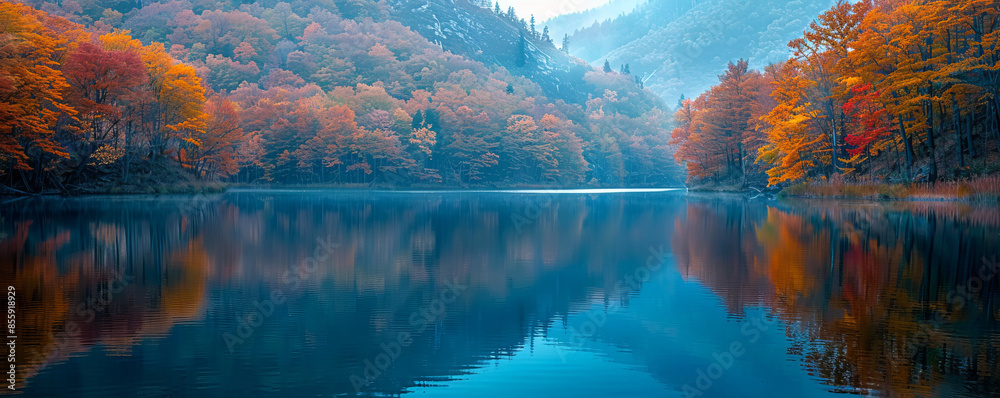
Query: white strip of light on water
{"points": [[460, 191], [556, 191]]}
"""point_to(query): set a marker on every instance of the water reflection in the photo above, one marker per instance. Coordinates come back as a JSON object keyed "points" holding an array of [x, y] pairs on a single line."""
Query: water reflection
{"points": [[899, 299], [131, 296]]}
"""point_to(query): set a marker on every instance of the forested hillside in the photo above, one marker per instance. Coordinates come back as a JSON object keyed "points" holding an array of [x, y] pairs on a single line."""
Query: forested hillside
{"points": [[567, 24], [123, 96], [886, 90], [681, 45], [499, 38]]}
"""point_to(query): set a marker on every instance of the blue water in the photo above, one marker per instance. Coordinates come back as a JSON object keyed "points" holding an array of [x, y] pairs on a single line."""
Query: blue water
{"points": [[653, 293]]}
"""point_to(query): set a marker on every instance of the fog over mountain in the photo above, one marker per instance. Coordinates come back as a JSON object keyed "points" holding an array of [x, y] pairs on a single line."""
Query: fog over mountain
{"points": [[576, 19], [681, 46]]}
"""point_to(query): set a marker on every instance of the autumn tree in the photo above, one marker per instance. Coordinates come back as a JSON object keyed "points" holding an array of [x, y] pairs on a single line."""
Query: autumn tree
{"points": [[796, 148], [869, 135], [573, 167], [718, 135], [217, 153], [820, 54], [182, 110], [32, 90], [317, 95], [525, 152], [105, 85]]}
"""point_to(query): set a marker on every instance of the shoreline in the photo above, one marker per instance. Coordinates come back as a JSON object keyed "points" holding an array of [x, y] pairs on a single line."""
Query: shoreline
{"points": [[930, 199], [974, 190], [981, 190], [219, 188], [953, 192]]}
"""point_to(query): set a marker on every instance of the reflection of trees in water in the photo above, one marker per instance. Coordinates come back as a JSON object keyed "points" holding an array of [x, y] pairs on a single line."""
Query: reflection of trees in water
{"points": [[99, 272], [864, 288], [395, 254]]}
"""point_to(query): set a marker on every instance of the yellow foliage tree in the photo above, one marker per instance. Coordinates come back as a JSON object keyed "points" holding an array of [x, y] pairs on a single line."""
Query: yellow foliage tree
{"points": [[794, 146]]}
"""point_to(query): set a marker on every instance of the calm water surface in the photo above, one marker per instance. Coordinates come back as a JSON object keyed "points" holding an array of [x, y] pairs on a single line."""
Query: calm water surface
{"points": [[492, 294]]}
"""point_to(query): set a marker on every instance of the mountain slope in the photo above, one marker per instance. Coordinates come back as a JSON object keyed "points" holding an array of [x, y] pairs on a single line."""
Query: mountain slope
{"points": [[342, 92], [480, 34], [570, 23], [595, 39], [685, 54]]}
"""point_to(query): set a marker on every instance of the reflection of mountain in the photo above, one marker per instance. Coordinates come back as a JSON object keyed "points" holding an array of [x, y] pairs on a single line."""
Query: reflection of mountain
{"points": [[867, 290]]}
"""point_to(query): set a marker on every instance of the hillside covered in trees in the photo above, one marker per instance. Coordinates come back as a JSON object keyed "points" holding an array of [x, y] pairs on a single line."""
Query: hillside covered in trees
{"points": [[887, 90], [104, 95], [567, 24], [680, 46]]}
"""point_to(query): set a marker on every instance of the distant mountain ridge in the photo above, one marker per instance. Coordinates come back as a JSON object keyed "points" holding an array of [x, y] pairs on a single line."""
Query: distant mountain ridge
{"points": [[572, 22], [682, 45]]}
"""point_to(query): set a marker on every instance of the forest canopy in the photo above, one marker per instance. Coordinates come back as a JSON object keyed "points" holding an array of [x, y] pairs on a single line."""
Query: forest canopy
{"points": [[96, 95], [898, 90]]}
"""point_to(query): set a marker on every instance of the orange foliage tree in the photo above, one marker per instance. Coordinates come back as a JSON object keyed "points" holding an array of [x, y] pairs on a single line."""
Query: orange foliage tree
{"points": [[32, 89]]}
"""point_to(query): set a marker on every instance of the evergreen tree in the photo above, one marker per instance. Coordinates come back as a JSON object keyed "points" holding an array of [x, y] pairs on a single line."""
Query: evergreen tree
{"points": [[418, 120], [522, 56], [534, 33], [496, 9], [625, 70], [430, 118], [545, 35], [607, 67], [565, 45]]}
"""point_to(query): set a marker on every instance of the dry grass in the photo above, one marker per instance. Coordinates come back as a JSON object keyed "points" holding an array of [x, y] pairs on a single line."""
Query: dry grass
{"points": [[977, 189]]}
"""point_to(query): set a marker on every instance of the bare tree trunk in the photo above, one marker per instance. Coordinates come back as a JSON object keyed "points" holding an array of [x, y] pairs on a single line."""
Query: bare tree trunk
{"points": [[996, 121], [833, 130], [27, 186], [958, 132], [930, 139], [908, 146], [968, 132], [899, 159]]}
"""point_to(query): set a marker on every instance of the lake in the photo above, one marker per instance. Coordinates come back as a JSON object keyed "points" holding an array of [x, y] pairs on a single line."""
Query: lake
{"points": [[501, 294]]}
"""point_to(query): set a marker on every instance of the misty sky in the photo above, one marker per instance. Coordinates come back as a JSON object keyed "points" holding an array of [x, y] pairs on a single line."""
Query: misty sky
{"points": [[545, 9]]}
